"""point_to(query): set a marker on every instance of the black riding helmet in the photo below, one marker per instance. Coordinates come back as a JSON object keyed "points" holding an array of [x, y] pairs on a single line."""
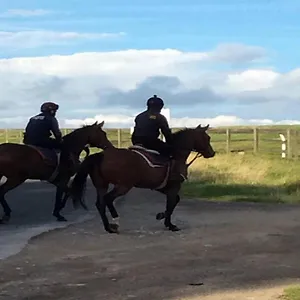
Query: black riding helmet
{"points": [[155, 103], [49, 107]]}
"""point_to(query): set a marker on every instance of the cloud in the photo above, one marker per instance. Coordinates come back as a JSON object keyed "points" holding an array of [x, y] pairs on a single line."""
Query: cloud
{"points": [[237, 53], [127, 121], [10, 13], [119, 82], [169, 88], [38, 38]]}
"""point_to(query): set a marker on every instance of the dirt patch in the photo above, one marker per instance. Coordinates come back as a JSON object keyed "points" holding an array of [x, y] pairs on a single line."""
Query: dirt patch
{"points": [[233, 249]]}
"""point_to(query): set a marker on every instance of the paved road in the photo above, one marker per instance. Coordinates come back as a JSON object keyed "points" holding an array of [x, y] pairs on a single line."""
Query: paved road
{"points": [[32, 205], [234, 249]]}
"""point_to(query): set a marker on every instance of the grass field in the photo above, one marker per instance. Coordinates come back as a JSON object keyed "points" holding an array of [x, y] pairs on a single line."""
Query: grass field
{"points": [[292, 293], [231, 177]]}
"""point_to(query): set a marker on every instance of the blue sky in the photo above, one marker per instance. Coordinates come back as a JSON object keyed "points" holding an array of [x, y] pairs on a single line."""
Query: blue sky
{"points": [[185, 25], [188, 26]]}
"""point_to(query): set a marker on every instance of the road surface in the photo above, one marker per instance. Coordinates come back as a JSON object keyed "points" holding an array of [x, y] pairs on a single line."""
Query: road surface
{"points": [[32, 205], [225, 251]]}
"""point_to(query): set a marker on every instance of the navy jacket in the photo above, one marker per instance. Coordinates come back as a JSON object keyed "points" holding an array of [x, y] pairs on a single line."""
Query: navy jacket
{"points": [[148, 124], [40, 127]]}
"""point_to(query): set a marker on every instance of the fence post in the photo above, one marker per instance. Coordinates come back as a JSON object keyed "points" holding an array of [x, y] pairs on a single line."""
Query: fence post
{"points": [[228, 140], [289, 144], [283, 145], [255, 140], [119, 138]]}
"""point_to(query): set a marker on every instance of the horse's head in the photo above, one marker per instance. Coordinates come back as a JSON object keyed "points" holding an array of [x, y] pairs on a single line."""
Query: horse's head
{"points": [[202, 142], [96, 136]]}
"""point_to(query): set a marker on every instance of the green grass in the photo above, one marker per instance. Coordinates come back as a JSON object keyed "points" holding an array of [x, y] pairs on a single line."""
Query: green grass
{"points": [[250, 178], [291, 293]]}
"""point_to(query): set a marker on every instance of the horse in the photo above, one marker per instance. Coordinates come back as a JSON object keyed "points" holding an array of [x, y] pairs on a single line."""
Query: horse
{"points": [[19, 162], [138, 167]]}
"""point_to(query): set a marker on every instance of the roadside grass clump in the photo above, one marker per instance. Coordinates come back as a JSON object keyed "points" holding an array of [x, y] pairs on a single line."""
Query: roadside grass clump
{"points": [[233, 177], [291, 293]]}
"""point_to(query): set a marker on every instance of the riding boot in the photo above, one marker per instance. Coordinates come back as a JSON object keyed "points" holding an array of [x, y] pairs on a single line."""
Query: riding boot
{"points": [[178, 171]]}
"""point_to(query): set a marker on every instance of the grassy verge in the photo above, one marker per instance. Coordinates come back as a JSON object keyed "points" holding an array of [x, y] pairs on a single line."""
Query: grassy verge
{"points": [[291, 293], [244, 178]]}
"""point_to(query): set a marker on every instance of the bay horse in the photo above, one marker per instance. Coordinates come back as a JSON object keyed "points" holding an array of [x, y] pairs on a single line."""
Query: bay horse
{"points": [[19, 162], [141, 168]]}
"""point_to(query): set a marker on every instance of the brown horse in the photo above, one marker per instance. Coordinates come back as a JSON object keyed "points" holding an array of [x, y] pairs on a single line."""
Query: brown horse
{"points": [[141, 168], [19, 162]]}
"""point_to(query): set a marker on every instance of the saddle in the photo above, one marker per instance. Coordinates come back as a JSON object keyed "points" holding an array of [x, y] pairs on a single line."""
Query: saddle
{"points": [[51, 158], [152, 157]]}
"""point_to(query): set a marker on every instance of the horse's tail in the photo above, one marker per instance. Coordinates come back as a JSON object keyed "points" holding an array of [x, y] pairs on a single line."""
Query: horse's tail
{"points": [[78, 185]]}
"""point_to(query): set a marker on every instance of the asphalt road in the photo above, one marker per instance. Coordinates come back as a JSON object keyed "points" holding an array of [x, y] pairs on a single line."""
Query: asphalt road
{"points": [[32, 205], [225, 251]]}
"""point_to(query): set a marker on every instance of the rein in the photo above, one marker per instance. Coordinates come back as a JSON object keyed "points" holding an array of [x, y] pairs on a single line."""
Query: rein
{"points": [[196, 156]]}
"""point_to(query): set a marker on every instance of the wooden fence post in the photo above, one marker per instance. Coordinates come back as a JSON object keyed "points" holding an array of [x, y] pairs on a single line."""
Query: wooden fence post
{"points": [[119, 138], [255, 140], [228, 140], [289, 143]]}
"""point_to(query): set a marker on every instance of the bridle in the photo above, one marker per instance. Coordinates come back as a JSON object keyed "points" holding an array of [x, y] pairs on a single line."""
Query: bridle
{"points": [[196, 156]]}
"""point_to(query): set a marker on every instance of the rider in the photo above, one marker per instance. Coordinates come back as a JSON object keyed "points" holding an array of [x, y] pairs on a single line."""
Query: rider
{"points": [[146, 133], [39, 128]]}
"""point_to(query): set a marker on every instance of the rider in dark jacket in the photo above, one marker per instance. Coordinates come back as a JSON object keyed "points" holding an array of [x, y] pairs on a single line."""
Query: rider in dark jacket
{"points": [[39, 128], [148, 125], [147, 130]]}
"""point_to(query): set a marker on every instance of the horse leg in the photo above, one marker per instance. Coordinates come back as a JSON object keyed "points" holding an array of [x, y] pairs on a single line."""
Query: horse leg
{"points": [[107, 200], [172, 201], [60, 203], [65, 197], [162, 215], [10, 184]]}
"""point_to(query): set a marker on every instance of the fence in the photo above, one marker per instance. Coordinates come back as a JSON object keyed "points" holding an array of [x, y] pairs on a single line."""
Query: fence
{"points": [[277, 142]]}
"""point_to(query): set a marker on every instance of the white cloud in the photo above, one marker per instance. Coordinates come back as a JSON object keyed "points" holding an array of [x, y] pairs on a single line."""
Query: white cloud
{"points": [[237, 53], [251, 80], [38, 38], [127, 121], [86, 84], [25, 13]]}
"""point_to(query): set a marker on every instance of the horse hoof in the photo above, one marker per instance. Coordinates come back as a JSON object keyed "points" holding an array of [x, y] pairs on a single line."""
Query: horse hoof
{"points": [[61, 219], [5, 219], [113, 228], [174, 228], [160, 216]]}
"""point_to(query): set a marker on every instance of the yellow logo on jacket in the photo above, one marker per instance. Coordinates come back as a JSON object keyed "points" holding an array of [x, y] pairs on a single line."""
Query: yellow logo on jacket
{"points": [[153, 117]]}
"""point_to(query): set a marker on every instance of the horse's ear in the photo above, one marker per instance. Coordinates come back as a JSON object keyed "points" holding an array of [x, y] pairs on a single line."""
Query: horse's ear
{"points": [[206, 127], [101, 124], [95, 124], [202, 128]]}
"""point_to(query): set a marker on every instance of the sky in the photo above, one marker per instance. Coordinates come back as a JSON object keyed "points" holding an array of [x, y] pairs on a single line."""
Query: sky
{"points": [[214, 62]]}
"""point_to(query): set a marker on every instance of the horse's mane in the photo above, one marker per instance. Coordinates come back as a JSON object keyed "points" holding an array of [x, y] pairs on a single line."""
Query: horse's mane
{"points": [[68, 137], [180, 136], [180, 133]]}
